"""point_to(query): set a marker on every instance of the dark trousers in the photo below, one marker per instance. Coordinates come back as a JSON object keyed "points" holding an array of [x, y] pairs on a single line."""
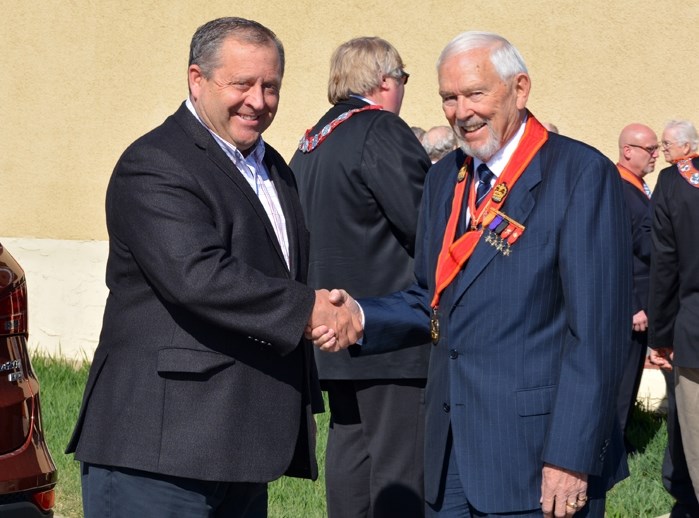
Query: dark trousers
{"points": [[631, 377], [126, 493], [374, 458], [453, 502], [675, 473]]}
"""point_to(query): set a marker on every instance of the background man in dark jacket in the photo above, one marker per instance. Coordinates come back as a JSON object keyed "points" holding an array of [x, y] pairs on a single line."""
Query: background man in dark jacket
{"points": [[360, 171]]}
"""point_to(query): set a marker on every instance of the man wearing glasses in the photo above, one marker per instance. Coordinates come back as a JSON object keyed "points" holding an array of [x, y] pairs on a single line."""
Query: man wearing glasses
{"points": [[674, 302], [360, 171], [638, 151]]}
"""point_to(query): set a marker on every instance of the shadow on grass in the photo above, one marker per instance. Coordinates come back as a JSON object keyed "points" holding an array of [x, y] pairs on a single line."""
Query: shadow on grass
{"points": [[643, 427]]}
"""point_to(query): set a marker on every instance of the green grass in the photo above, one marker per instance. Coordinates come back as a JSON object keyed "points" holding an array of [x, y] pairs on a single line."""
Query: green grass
{"points": [[62, 385], [641, 495]]}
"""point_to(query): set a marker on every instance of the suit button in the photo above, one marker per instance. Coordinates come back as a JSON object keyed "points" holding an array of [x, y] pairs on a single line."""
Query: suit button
{"points": [[453, 354], [446, 407]]}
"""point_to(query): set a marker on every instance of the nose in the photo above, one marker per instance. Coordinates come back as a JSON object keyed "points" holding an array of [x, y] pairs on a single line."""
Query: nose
{"points": [[255, 97], [463, 108]]}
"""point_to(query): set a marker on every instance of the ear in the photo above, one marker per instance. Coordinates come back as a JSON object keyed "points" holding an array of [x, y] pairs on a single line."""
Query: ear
{"points": [[522, 87], [686, 149], [626, 150], [195, 78], [384, 85]]}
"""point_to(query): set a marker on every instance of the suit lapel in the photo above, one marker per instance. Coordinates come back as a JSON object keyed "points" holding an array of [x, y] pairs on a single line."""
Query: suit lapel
{"points": [[518, 206], [285, 194], [203, 139]]}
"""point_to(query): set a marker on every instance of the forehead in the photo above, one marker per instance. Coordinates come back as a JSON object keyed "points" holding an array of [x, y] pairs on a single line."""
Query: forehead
{"points": [[669, 133], [467, 68], [240, 54]]}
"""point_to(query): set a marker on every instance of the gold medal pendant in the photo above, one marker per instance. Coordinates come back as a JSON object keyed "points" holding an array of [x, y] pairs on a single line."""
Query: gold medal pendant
{"points": [[434, 326]]}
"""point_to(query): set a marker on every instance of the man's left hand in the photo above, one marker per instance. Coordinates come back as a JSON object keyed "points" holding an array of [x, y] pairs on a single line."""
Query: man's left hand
{"points": [[640, 321], [563, 492]]}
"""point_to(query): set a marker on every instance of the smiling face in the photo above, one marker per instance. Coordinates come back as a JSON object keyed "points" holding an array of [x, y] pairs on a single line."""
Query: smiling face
{"points": [[484, 110], [240, 98]]}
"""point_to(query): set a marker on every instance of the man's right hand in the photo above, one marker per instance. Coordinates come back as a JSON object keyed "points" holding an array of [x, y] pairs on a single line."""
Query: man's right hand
{"points": [[662, 357], [336, 321]]}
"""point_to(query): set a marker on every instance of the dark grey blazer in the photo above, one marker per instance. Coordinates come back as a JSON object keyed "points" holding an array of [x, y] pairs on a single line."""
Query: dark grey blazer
{"points": [[360, 190], [674, 273], [201, 370]]}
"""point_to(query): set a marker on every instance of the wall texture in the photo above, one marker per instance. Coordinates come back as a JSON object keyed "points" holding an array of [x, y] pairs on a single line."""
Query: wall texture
{"points": [[83, 78]]}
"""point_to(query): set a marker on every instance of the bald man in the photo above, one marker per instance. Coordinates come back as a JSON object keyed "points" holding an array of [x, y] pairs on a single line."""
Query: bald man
{"points": [[439, 141], [638, 151]]}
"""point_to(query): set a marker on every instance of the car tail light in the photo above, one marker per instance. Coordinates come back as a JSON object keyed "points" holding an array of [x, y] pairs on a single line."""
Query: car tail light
{"points": [[13, 310], [45, 500]]}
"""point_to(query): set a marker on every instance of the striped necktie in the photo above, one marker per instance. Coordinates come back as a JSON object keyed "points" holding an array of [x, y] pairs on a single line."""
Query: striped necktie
{"points": [[485, 176]]}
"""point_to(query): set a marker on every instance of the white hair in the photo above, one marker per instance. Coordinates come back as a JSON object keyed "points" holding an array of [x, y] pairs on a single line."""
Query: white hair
{"points": [[505, 58], [684, 132]]}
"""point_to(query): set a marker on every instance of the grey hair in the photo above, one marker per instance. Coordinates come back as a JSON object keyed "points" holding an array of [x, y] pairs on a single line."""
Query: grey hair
{"points": [[207, 40], [685, 133], [505, 58]]}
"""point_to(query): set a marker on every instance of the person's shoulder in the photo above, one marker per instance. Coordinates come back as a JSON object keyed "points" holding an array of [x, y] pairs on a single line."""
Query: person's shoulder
{"points": [[274, 156], [569, 145], [446, 169], [166, 134], [574, 157]]}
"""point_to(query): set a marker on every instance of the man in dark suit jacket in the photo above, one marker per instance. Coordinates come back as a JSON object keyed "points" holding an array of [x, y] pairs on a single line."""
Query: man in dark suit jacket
{"points": [[638, 150], [528, 309], [360, 172], [674, 296], [202, 388]]}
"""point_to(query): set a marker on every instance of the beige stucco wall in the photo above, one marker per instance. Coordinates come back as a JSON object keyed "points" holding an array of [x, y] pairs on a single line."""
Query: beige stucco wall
{"points": [[81, 79]]}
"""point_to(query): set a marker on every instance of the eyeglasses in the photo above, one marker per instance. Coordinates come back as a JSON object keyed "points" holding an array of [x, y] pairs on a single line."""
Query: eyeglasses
{"points": [[666, 144], [400, 75], [648, 149]]}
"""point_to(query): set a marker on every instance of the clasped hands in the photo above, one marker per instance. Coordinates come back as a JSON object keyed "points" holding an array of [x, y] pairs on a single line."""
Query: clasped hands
{"points": [[336, 321]]}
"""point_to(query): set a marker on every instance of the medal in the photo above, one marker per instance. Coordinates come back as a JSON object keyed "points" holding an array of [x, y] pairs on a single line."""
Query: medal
{"points": [[462, 173], [499, 192], [502, 231], [434, 326]]}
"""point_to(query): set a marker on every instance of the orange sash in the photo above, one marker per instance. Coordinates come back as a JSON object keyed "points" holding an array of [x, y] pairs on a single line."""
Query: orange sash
{"points": [[455, 254], [688, 171], [631, 178]]}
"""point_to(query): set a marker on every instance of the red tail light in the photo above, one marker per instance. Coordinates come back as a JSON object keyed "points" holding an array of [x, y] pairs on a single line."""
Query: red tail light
{"points": [[45, 500], [13, 310]]}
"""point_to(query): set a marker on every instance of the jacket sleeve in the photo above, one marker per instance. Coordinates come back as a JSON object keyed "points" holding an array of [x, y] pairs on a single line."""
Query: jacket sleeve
{"points": [[596, 276], [664, 271], [393, 167]]}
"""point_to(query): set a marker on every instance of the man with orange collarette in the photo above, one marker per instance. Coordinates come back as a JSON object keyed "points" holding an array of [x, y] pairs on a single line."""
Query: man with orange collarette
{"points": [[638, 151], [523, 282], [673, 331]]}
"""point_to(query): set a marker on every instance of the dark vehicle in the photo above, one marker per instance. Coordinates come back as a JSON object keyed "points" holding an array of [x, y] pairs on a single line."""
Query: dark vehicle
{"points": [[27, 472]]}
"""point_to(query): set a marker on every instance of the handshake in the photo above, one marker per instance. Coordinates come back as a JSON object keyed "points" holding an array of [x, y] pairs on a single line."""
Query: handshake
{"points": [[336, 321]]}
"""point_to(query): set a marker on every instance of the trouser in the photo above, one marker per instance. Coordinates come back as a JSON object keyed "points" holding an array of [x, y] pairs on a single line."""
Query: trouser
{"points": [[127, 493], [675, 471], [631, 378], [374, 458], [687, 396]]}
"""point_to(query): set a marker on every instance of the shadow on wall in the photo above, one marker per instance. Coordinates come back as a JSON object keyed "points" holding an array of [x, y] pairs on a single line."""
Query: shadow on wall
{"points": [[67, 293]]}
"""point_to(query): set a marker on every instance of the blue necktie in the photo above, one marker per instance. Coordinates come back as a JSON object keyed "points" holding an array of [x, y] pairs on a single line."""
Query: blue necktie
{"points": [[485, 176]]}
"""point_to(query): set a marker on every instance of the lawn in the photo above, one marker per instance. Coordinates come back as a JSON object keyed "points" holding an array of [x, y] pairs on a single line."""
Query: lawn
{"points": [[642, 495]]}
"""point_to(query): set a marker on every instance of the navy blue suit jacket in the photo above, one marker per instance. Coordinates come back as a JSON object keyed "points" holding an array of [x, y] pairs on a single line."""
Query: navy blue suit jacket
{"points": [[532, 344]]}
